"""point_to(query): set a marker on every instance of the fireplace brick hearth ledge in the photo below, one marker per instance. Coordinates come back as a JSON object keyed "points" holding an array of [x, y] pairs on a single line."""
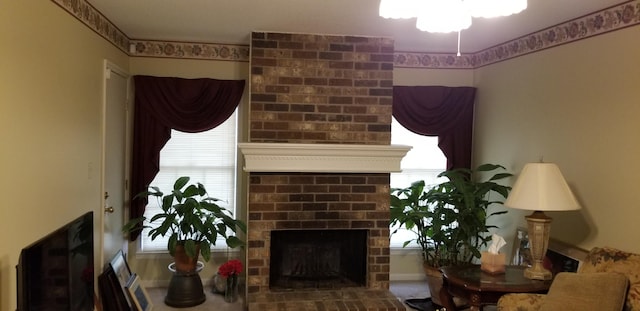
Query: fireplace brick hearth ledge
{"points": [[355, 299]]}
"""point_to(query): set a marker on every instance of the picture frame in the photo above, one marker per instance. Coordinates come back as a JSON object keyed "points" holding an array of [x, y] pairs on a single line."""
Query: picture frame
{"points": [[121, 268], [563, 257], [560, 257], [138, 295], [112, 294], [122, 273], [520, 255]]}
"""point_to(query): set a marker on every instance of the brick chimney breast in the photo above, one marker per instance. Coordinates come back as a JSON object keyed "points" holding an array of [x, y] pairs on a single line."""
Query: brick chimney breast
{"points": [[319, 89]]}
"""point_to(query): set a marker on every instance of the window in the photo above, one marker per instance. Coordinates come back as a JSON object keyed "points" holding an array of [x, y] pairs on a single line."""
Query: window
{"points": [[423, 162], [207, 157]]}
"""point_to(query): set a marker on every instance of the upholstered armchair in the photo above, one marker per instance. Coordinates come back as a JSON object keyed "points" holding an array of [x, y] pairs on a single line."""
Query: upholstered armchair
{"points": [[609, 279]]}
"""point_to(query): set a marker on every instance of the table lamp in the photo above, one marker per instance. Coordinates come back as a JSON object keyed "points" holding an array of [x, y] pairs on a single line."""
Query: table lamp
{"points": [[539, 188]]}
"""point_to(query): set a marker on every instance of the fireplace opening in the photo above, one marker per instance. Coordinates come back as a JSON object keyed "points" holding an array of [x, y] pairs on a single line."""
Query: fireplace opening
{"points": [[322, 259]]}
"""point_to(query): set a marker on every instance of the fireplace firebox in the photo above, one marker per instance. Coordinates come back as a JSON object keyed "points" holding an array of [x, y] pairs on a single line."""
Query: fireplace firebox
{"points": [[322, 259]]}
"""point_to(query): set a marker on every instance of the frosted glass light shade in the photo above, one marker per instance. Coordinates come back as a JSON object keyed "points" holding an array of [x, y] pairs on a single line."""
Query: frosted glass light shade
{"points": [[495, 8], [448, 15], [399, 8], [443, 16], [541, 187]]}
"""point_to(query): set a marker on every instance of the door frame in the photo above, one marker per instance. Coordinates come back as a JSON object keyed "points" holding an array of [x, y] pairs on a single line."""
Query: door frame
{"points": [[110, 68]]}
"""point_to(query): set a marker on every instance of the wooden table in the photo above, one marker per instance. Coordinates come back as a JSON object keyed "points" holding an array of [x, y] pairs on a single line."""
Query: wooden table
{"points": [[480, 288]]}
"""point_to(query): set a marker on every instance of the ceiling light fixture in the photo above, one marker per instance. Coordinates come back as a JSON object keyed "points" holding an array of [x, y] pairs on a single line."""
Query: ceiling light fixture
{"points": [[448, 15]]}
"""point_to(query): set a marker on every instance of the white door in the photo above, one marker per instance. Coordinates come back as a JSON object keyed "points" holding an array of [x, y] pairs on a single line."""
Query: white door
{"points": [[114, 167]]}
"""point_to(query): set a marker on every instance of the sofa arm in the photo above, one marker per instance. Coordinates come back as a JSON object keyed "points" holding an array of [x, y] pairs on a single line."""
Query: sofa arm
{"points": [[520, 302], [586, 291]]}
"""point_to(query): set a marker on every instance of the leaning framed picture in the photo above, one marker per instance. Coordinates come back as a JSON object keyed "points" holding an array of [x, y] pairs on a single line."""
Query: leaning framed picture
{"points": [[560, 257], [122, 272], [563, 257], [121, 268], [138, 294], [521, 256]]}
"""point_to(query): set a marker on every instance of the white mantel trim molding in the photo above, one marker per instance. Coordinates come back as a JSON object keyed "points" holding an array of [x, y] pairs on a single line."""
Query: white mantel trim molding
{"points": [[322, 158]]}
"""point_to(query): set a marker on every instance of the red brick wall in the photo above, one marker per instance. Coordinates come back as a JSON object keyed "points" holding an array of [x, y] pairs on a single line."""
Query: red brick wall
{"points": [[319, 89], [318, 201]]}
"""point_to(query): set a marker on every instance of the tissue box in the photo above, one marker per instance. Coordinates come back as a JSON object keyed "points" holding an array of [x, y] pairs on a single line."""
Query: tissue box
{"points": [[492, 263]]}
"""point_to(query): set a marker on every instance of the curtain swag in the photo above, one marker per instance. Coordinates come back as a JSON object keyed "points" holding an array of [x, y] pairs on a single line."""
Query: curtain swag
{"points": [[166, 103], [446, 112]]}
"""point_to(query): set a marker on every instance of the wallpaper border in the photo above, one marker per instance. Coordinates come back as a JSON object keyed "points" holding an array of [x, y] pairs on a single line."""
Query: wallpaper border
{"points": [[614, 18]]}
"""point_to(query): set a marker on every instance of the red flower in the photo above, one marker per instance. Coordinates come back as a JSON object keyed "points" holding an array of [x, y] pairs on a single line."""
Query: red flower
{"points": [[231, 267]]}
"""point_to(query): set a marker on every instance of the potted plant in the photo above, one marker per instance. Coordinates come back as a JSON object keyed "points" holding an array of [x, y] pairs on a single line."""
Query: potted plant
{"points": [[449, 219], [192, 220]]}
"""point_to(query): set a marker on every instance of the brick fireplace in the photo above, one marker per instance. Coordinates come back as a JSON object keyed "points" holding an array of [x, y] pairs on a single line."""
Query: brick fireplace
{"points": [[320, 114], [317, 259]]}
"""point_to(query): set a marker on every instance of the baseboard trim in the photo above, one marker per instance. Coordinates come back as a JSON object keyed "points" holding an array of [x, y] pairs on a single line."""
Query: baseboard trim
{"points": [[407, 277], [392, 277], [165, 283]]}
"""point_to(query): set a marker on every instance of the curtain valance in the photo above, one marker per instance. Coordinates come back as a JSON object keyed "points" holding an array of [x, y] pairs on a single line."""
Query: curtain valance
{"points": [[446, 112], [166, 103]]}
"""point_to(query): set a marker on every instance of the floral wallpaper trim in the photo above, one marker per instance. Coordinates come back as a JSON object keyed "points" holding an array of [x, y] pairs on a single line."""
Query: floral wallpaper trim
{"points": [[610, 19], [99, 23], [168, 49], [607, 20], [617, 17], [432, 60], [91, 17]]}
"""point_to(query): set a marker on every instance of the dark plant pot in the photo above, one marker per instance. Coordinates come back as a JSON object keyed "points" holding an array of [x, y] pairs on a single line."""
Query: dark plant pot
{"points": [[185, 288]]}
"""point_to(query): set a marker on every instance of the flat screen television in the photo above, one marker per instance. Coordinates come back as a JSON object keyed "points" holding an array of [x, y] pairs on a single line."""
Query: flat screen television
{"points": [[56, 272]]}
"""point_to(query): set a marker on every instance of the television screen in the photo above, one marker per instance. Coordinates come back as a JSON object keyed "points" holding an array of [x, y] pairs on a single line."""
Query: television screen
{"points": [[56, 272]]}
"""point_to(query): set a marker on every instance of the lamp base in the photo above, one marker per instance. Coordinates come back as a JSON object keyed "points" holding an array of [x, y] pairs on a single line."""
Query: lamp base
{"points": [[535, 273], [539, 226]]}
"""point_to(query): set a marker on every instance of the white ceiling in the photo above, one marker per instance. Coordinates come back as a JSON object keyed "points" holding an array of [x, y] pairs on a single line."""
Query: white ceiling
{"points": [[232, 21]]}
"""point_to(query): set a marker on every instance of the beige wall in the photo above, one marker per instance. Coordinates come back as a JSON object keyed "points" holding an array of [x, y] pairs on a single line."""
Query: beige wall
{"points": [[444, 77], [576, 105], [50, 126]]}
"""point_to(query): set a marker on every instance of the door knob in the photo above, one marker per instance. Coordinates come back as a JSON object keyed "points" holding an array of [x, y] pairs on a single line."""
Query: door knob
{"points": [[107, 209]]}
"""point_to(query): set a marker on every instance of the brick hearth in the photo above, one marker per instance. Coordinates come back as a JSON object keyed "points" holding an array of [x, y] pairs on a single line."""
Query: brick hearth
{"points": [[320, 89]]}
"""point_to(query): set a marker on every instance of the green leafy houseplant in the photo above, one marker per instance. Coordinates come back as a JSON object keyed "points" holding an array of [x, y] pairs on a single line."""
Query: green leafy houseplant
{"points": [[449, 218], [192, 220]]}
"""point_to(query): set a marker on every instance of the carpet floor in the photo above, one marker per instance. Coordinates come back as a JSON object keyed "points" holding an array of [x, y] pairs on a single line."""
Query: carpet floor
{"points": [[414, 294]]}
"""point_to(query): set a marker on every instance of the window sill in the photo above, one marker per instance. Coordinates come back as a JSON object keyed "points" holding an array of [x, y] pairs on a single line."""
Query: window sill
{"points": [[400, 251]]}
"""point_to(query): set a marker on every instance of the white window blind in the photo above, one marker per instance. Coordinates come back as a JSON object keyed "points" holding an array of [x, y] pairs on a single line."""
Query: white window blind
{"points": [[423, 162], [207, 157]]}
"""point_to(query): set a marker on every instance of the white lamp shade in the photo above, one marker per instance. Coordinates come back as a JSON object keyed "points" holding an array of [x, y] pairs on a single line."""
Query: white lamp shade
{"points": [[541, 187]]}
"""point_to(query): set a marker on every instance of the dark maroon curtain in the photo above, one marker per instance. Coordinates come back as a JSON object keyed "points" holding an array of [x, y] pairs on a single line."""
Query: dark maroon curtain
{"points": [[164, 103], [446, 112]]}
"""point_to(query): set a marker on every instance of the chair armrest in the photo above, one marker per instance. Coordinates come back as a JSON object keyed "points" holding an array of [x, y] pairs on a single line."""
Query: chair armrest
{"points": [[587, 291], [520, 302]]}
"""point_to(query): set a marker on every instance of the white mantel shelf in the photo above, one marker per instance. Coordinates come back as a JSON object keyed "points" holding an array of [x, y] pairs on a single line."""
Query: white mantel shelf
{"points": [[322, 158]]}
